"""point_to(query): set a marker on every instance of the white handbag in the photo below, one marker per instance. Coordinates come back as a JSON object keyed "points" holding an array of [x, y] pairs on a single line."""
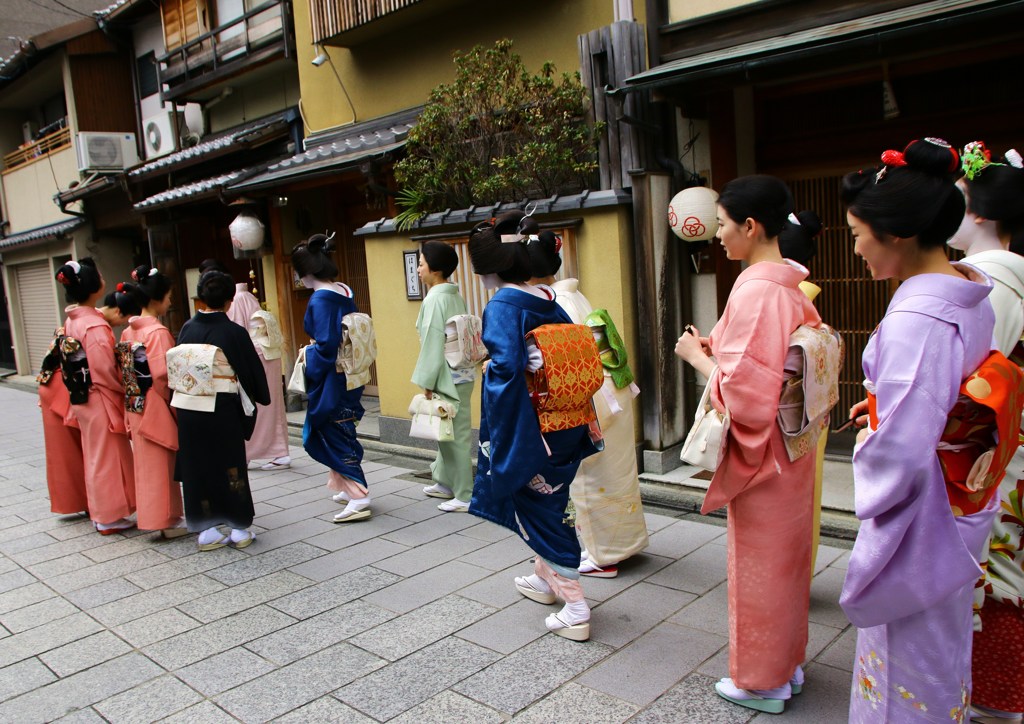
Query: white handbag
{"points": [[705, 443], [297, 381], [432, 419]]}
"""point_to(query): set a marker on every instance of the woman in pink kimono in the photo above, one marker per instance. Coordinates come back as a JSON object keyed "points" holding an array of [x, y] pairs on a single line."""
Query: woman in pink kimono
{"points": [[154, 430], [65, 466], [769, 498], [109, 476], [908, 588], [269, 439]]}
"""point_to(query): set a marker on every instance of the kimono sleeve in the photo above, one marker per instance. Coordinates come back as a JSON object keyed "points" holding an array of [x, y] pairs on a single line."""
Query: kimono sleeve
{"points": [[248, 367], [909, 554], [515, 436], [99, 350], [750, 349], [324, 326], [432, 372], [156, 354]]}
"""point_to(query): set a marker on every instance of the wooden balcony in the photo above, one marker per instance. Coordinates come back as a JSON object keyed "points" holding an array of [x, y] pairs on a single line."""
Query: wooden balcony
{"points": [[261, 35], [346, 23], [37, 150]]}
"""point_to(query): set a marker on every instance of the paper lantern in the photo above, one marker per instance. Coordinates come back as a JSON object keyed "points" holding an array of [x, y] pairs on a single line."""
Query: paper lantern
{"points": [[692, 214], [246, 231]]}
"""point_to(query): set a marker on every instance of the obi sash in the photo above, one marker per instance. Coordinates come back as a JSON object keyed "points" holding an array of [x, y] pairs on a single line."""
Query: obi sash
{"points": [[135, 375], [51, 362], [198, 373], [571, 374], [611, 347], [358, 349], [74, 367], [464, 346], [266, 334], [981, 433], [811, 387]]}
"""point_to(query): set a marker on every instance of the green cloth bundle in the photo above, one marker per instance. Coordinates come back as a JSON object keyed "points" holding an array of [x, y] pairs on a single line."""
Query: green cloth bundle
{"points": [[613, 351]]}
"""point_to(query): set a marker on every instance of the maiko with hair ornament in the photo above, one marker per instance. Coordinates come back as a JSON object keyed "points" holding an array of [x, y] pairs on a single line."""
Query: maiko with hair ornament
{"points": [[915, 561]]}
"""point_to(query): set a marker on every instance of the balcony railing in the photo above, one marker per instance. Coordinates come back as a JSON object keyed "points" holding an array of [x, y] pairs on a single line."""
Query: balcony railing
{"points": [[334, 17], [29, 152], [257, 36]]}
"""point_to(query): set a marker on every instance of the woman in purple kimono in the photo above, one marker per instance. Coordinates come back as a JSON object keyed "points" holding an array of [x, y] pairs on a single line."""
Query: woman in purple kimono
{"points": [[910, 579]]}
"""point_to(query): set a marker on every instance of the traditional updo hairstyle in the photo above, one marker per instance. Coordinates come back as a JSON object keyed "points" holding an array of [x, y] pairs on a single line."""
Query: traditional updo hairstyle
{"points": [[149, 285], [126, 298], [80, 279], [440, 257], [797, 240], [544, 248], [912, 194], [311, 258], [216, 289], [764, 199], [995, 191], [491, 254], [211, 265]]}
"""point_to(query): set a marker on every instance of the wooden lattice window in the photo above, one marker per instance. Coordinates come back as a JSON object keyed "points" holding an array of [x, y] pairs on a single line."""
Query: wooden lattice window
{"points": [[850, 300], [469, 284], [184, 20]]}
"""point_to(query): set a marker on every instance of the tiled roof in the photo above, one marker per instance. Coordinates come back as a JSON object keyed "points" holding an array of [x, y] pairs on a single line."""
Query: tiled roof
{"points": [[181, 194], [331, 156], [51, 231], [210, 147], [113, 7], [584, 200]]}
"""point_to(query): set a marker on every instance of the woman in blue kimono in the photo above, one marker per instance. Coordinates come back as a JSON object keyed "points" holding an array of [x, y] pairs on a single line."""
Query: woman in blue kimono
{"points": [[523, 479], [909, 584], [333, 410]]}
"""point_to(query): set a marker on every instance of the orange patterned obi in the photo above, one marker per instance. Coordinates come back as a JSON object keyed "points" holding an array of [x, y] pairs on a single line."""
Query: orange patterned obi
{"points": [[981, 433], [572, 373]]}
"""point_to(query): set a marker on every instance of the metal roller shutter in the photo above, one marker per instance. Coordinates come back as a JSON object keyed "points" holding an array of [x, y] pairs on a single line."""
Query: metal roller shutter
{"points": [[39, 314]]}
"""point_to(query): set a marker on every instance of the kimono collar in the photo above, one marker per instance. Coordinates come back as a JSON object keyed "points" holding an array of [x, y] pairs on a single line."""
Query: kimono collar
{"points": [[89, 315], [1012, 263], [569, 286], [330, 296], [141, 322], [789, 274], [442, 288], [524, 300], [956, 290], [205, 317]]}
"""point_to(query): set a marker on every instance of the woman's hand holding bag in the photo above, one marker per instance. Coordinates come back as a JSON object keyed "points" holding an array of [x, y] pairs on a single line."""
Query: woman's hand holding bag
{"points": [[705, 443], [432, 419], [297, 380]]}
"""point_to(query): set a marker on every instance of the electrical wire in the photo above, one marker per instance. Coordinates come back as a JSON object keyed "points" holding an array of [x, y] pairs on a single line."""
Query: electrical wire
{"points": [[72, 10]]}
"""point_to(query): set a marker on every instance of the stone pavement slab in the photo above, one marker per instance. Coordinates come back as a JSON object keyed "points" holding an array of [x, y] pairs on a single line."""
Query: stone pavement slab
{"points": [[410, 616]]}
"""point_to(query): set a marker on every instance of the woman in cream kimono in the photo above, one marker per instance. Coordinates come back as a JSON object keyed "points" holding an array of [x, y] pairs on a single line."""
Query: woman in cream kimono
{"points": [[994, 192], [155, 429], [606, 490], [109, 471], [769, 497], [269, 440], [452, 470]]}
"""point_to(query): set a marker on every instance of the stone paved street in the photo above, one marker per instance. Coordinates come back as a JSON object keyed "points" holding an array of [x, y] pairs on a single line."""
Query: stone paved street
{"points": [[408, 617]]}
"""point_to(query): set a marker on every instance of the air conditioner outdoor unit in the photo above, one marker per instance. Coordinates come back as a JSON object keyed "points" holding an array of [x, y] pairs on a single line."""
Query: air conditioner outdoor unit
{"points": [[160, 134], [106, 152]]}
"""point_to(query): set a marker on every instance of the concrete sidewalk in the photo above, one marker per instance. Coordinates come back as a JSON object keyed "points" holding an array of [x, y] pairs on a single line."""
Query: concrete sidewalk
{"points": [[408, 617]]}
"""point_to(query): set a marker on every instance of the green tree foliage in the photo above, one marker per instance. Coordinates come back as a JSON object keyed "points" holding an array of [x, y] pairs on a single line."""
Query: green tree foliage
{"points": [[497, 133]]}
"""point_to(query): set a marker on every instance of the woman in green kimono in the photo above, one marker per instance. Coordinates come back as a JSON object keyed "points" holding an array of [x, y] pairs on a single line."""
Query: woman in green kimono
{"points": [[451, 471]]}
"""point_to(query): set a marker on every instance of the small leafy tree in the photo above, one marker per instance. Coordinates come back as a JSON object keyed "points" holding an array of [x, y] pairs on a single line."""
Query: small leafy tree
{"points": [[497, 133]]}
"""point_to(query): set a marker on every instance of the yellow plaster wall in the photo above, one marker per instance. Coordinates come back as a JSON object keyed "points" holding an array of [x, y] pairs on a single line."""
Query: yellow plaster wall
{"points": [[606, 278], [29, 190], [392, 74]]}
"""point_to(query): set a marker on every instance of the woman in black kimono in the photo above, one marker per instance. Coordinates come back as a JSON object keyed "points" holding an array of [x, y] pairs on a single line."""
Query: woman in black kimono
{"points": [[211, 462]]}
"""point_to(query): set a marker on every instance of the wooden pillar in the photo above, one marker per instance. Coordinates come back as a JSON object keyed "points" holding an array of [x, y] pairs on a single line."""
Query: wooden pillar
{"points": [[661, 294]]}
